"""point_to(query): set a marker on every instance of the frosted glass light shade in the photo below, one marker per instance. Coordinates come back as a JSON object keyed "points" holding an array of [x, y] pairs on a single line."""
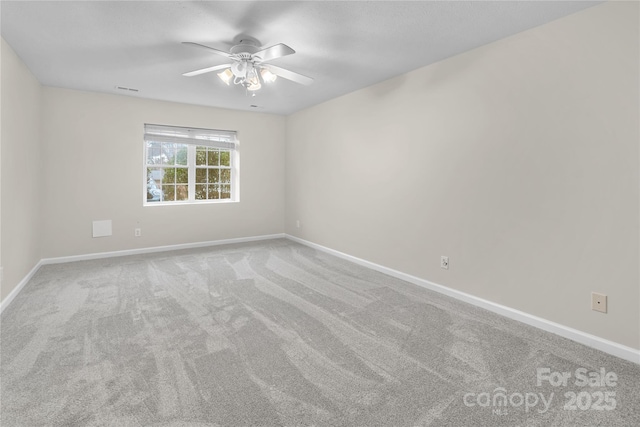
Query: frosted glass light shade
{"points": [[226, 76]]}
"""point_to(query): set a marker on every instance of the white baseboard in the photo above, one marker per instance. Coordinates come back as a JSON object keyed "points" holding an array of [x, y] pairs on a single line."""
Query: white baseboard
{"points": [[7, 300], [99, 255], [610, 347]]}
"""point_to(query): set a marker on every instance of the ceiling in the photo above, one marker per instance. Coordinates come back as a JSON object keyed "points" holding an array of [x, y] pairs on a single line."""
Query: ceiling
{"points": [[343, 45]]}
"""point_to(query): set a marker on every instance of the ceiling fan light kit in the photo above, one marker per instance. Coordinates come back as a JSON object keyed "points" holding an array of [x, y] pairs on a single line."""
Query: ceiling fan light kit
{"points": [[248, 68], [226, 76], [268, 76]]}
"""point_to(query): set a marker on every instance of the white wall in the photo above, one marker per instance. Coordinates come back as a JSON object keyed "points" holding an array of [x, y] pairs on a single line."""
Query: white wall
{"points": [[22, 185], [93, 146], [518, 160]]}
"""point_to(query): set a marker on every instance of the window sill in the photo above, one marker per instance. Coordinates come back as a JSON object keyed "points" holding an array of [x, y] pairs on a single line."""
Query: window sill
{"points": [[186, 203]]}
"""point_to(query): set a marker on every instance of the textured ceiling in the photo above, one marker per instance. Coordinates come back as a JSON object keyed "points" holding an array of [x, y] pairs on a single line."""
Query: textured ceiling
{"points": [[344, 46]]}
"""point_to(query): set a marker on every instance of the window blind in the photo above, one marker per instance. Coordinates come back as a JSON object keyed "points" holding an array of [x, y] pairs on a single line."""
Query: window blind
{"points": [[183, 135]]}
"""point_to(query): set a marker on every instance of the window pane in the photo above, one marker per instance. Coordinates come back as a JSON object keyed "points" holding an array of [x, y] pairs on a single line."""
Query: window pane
{"points": [[201, 175], [201, 192], [224, 158], [169, 176], [154, 194], [153, 153], [225, 176], [182, 175], [201, 156], [182, 192], [181, 155], [168, 154], [225, 191], [213, 157], [169, 192], [214, 191], [214, 175], [155, 174]]}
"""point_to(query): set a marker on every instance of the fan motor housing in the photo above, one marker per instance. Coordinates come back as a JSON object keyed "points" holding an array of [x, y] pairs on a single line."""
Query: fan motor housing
{"points": [[245, 47]]}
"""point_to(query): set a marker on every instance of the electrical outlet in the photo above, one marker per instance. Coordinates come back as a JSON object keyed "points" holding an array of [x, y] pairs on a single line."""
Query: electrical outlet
{"points": [[297, 223], [598, 302], [444, 262], [137, 232]]}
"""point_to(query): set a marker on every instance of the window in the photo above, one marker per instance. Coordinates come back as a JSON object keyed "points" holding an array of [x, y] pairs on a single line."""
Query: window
{"points": [[188, 165]]}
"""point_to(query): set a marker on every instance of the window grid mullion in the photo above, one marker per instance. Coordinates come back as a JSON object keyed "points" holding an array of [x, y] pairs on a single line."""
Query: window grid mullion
{"points": [[191, 163]]}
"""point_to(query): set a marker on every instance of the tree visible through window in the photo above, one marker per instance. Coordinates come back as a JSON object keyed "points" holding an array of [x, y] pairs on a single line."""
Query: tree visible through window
{"points": [[190, 165], [213, 173]]}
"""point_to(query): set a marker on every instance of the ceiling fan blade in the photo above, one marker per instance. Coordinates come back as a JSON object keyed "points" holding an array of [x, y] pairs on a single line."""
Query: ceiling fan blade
{"points": [[207, 70], [274, 52], [289, 75], [218, 51]]}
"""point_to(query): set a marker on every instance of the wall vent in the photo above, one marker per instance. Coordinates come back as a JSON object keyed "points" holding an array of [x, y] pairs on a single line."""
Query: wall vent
{"points": [[127, 89]]}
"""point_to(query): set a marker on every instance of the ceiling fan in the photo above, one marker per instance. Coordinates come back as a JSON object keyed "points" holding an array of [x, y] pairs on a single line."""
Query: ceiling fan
{"points": [[249, 67]]}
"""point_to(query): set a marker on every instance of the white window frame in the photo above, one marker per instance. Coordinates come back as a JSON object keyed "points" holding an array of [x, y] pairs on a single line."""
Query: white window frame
{"points": [[193, 137]]}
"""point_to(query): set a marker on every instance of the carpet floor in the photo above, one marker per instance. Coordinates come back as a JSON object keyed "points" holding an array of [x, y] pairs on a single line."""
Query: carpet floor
{"points": [[274, 333]]}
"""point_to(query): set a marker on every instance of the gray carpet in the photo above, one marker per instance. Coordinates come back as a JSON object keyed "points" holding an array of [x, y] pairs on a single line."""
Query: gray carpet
{"points": [[275, 333]]}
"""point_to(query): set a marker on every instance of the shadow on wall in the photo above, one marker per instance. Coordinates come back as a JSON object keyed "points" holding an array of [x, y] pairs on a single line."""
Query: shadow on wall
{"points": [[430, 77]]}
